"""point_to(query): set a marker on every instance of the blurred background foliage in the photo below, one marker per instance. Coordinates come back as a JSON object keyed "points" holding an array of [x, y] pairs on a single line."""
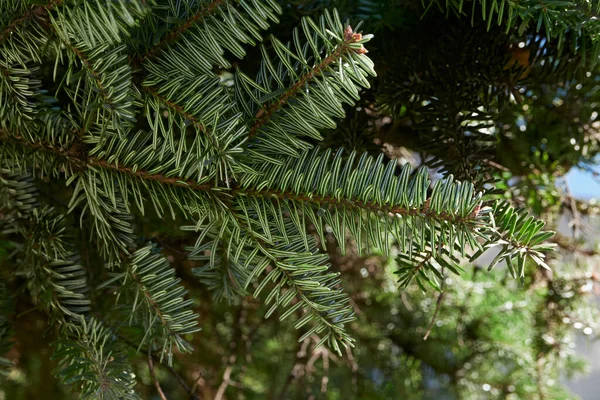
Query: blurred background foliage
{"points": [[509, 103]]}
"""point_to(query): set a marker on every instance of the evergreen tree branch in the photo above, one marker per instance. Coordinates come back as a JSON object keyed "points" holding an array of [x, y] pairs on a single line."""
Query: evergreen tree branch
{"points": [[223, 273], [51, 265], [178, 109], [299, 273], [301, 94], [33, 12], [156, 301], [324, 178], [89, 356], [19, 87], [107, 64], [71, 152], [111, 217], [145, 175], [235, 27], [206, 10], [267, 112], [355, 204], [219, 132], [87, 64], [25, 41], [190, 87], [320, 188]]}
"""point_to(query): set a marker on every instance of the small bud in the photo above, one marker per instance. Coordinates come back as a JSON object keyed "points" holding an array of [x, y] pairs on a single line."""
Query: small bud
{"points": [[426, 205], [348, 33]]}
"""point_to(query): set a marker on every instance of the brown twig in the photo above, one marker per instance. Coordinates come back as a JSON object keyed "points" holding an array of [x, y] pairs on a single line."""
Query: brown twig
{"points": [[226, 381], [198, 382], [353, 367], [156, 358], [576, 222], [540, 363], [497, 166], [325, 377], [438, 305], [297, 369], [566, 244], [404, 300], [153, 375]]}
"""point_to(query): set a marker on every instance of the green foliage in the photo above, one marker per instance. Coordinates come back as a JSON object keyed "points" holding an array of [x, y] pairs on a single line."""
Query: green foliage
{"points": [[55, 277], [555, 20], [90, 359], [5, 331], [324, 69], [154, 295], [120, 119], [297, 274]]}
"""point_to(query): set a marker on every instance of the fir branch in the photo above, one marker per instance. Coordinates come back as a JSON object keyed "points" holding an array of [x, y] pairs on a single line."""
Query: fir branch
{"points": [[179, 109], [272, 193], [33, 12], [145, 175], [189, 86], [176, 33], [357, 204], [300, 276], [265, 114], [304, 79], [51, 265], [97, 43], [90, 67], [89, 356], [72, 152], [193, 97], [515, 233], [237, 27], [223, 273], [210, 133], [158, 303], [19, 87]]}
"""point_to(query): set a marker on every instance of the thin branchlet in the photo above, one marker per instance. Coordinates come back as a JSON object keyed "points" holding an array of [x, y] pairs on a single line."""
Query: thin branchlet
{"points": [[176, 33], [423, 211], [265, 114], [33, 12]]}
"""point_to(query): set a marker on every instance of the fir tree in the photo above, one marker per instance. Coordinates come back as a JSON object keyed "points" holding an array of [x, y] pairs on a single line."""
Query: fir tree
{"points": [[122, 118]]}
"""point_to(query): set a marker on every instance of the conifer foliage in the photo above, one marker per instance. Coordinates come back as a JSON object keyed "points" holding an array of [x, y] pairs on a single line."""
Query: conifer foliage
{"points": [[137, 107]]}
